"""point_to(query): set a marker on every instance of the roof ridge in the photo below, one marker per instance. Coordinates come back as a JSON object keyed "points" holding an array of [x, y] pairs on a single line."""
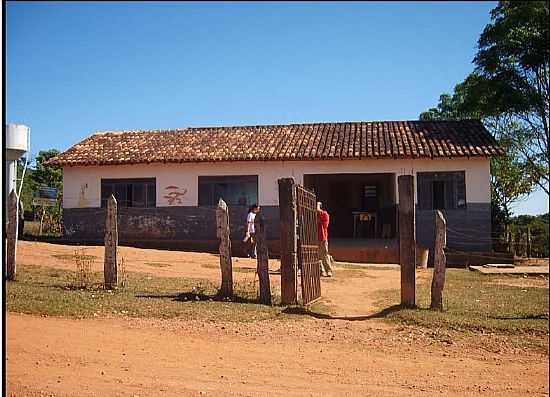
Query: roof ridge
{"points": [[292, 124], [315, 141]]}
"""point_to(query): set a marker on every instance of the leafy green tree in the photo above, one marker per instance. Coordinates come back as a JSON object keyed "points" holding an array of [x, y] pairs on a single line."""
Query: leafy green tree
{"points": [[512, 78], [447, 109], [509, 181], [38, 176], [509, 92], [48, 175], [538, 231]]}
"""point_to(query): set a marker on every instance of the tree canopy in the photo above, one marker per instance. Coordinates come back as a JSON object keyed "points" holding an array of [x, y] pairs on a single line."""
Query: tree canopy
{"points": [[513, 65], [509, 91]]}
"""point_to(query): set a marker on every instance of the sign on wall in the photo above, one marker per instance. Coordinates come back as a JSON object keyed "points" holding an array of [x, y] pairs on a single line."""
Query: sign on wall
{"points": [[45, 197]]}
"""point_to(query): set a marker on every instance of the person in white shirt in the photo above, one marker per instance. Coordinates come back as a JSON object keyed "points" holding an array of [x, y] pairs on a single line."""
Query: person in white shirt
{"points": [[249, 237]]}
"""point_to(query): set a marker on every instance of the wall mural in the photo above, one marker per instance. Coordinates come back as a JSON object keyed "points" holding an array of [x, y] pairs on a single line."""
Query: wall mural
{"points": [[174, 195]]}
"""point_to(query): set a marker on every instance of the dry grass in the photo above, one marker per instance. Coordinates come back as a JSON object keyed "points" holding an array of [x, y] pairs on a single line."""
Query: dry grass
{"points": [[82, 276], [157, 264], [474, 302], [42, 290]]}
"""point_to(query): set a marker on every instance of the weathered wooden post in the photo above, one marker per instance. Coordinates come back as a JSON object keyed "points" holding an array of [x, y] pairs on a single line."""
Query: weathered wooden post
{"points": [[11, 247], [288, 239], [263, 259], [111, 243], [438, 280], [226, 264], [407, 239]]}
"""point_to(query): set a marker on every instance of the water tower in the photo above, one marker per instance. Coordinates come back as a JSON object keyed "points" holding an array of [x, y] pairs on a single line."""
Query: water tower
{"points": [[17, 143]]}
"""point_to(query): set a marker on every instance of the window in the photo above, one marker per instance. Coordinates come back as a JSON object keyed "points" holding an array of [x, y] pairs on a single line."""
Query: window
{"points": [[239, 190], [140, 192], [370, 197], [441, 190]]}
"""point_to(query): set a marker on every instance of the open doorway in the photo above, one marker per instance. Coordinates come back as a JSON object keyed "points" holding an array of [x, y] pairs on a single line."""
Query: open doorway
{"points": [[362, 206]]}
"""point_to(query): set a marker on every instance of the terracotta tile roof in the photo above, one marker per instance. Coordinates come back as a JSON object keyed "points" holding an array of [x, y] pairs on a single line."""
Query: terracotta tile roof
{"points": [[318, 141]]}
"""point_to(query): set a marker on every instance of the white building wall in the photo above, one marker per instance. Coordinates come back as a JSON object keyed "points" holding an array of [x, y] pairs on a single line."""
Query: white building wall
{"points": [[82, 185]]}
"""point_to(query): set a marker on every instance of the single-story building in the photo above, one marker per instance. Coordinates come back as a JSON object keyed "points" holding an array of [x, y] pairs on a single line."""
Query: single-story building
{"points": [[168, 182]]}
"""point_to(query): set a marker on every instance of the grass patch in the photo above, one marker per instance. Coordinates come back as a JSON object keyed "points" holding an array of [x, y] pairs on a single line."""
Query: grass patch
{"points": [[157, 264], [355, 266], [473, 302], [73, 257], [320, 307], [244, 269], [32, 229], [41, 290], [236, 269], [349, 273]]}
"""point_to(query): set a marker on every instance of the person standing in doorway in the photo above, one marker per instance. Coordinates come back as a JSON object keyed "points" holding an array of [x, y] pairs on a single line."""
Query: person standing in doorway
{"points": [[323, 220], [250, 237]]}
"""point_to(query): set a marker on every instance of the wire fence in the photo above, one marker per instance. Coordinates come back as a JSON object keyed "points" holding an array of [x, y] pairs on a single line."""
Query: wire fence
{"points": [[519, 241]]}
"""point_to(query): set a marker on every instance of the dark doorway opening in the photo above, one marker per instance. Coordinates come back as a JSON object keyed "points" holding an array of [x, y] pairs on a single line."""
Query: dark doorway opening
{"points": [[361, 206]]}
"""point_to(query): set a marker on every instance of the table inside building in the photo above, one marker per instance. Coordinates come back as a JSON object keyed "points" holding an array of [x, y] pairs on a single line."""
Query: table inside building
{"points": [[364, 216]]}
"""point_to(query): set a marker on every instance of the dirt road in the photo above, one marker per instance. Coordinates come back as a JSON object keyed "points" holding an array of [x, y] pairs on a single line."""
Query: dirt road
{"points": [[312, 357]]}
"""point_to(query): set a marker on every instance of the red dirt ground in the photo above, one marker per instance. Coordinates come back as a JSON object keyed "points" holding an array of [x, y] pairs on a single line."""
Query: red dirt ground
{"points": [[146, 357]]}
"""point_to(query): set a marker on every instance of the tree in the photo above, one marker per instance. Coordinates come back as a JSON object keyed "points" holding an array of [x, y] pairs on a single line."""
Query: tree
{"points": [[512, 78], [509, 92], [51, 176], [509, 181], [39, 176], [538, 231], [447, 109]]}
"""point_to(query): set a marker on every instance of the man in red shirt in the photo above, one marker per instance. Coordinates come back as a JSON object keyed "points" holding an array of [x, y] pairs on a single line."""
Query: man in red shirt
{"points": [[323, 220]]}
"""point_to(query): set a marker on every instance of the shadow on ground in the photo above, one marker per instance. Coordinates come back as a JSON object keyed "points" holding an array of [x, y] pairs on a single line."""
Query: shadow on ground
{"points": [[198, 297], [305, 311]]}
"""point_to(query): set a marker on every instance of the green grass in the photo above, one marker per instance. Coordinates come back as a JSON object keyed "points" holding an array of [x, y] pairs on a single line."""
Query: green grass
{"points": [[41, 290], [472, 302]]}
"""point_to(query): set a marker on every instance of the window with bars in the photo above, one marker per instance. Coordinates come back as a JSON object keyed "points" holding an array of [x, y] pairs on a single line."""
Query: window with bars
{"points": [[441, 190], [138, 192]]}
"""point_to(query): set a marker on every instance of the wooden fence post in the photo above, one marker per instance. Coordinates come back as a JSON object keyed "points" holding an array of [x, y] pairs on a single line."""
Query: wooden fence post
{"points": [[263, 259], [226, 264], [11, 247], [111, 244], [438, 280], [288, 240], [407, 239]]}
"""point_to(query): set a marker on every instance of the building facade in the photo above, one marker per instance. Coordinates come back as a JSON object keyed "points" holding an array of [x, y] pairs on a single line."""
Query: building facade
{"points": [[167, 183]]}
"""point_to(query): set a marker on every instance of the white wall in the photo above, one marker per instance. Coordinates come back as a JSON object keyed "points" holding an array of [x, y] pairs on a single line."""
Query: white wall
{"points": [[81, 185]]}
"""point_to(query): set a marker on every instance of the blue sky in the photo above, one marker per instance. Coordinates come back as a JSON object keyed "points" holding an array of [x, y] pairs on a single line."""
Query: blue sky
{"points": [[76, 68]]}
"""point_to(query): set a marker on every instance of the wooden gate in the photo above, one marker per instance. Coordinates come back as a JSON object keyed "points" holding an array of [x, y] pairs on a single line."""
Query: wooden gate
{"points": [[308, 257]]}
